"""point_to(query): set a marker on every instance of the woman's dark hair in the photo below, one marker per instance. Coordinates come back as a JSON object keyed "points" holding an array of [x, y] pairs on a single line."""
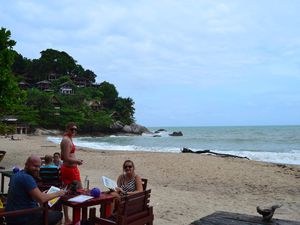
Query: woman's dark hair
{"points": [[70, 125]]}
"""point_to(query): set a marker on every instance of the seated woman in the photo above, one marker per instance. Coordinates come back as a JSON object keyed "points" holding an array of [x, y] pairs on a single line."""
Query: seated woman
{"points": [[129, 183]]}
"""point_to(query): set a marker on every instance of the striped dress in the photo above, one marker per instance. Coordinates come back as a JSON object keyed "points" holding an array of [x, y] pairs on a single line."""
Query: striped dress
{"points": [[130, 186]]}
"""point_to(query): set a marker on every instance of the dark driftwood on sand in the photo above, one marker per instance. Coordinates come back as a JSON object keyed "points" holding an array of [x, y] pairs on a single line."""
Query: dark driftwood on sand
{"points": [[186, 150], [225, 218]]}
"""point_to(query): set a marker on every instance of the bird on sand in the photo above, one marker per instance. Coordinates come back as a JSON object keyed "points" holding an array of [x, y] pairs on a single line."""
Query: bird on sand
{"points": [[267, 213]]}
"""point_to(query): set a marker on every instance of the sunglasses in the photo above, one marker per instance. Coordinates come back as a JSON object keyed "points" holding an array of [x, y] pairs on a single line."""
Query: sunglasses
{"points": [[72, 129], [125, 167]]}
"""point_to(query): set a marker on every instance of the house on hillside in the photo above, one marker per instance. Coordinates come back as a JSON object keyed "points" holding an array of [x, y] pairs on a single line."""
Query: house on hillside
{"points": [[95, 85], [66, 89], [95, 105], [52, 76], [57, 105], [23, 85], [43, 85], [54, 100], [81, 81], [21, 128]]}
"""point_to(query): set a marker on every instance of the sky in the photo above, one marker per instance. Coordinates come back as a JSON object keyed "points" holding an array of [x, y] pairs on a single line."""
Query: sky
{"points": [[184, 63]]}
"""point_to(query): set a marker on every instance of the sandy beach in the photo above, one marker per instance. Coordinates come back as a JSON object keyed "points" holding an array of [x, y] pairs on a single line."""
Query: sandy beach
{"points": [[185, 187]]}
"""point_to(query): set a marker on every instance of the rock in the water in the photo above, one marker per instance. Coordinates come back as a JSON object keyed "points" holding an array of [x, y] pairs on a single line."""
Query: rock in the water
{"points": [[159, 130], [135, 129], [176, 133]]}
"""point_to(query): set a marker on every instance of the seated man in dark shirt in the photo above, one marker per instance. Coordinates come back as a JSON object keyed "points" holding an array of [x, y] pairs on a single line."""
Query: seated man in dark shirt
{"points": [[23, 193]]}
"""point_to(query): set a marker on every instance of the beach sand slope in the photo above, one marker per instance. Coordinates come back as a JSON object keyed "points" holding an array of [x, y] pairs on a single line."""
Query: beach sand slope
{"points": [[185, 187]]}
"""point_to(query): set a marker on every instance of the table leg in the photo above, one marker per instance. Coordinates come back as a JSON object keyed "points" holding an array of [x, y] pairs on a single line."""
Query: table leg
{"points": [[105, 210], [84, 213], [76, 215]]}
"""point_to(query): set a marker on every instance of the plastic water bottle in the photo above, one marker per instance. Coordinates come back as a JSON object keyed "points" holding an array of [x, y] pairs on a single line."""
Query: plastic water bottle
{"points": [[86, 183]]}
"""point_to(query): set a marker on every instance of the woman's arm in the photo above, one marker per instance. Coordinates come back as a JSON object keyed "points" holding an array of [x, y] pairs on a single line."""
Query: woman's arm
{"points": [[119, 181]]}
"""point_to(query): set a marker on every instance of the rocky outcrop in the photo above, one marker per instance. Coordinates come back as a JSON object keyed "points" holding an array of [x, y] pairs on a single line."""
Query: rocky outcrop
{"points": [[135, 129], [176, 133], [117, 126]]}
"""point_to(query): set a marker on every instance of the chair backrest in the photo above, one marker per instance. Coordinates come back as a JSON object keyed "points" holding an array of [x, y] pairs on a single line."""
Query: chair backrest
{"points": [[144, 183], [2, 154], [4, 214], [49, 177], [132, 209]]}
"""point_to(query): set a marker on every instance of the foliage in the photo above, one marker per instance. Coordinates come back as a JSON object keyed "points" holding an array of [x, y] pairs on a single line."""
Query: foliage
{"points": [[51, 62], [7, 129], [10, 94], [110, 94], [93, 107], [125, 110]]}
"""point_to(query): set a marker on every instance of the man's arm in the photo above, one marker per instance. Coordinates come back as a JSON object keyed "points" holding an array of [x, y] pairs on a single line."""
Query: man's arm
{"points": [[41, 197]]}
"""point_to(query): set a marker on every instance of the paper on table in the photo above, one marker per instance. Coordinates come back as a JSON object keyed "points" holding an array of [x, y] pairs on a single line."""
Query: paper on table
{"points": [[54, 200], [109, 183], [80, 198]]}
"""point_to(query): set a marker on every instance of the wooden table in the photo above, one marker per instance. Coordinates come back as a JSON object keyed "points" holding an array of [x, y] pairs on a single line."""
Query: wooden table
{"points": [[5, 173], [227, 218], [80, 209]]}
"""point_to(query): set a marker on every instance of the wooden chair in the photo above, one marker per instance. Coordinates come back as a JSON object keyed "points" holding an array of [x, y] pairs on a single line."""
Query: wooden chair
{"points": [[144, 183], [49, 177], [132, 210], [2, 154], [4, 214]]}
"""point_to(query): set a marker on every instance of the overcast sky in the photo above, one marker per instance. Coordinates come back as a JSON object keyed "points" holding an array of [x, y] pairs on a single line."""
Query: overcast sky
{"points": [[184, 63]]}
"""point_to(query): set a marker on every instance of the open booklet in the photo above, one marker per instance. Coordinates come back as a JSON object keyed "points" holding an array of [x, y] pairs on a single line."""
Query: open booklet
{"points": [[109, 183], [54, 200], [80, 198]]}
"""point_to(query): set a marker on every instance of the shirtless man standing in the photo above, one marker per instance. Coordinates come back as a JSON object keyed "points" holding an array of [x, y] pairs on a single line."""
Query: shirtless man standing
{"points": [[69, 168]]}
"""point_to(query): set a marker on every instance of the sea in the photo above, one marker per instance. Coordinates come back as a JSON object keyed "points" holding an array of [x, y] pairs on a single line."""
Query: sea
{"points": [[276, 144]]}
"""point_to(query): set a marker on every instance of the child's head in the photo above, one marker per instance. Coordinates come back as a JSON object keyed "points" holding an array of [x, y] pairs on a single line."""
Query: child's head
{"points": [[48, 159]]}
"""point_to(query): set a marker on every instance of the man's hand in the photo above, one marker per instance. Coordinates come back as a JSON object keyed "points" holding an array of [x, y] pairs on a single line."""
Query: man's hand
{"points": [[79, 161], [61, 192]]}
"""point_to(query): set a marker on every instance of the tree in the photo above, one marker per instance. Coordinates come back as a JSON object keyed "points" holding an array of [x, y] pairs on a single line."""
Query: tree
{"points": [[10, 94], [57, 62], [20, 67], [110, 94], [90, 76], [125, 110]]}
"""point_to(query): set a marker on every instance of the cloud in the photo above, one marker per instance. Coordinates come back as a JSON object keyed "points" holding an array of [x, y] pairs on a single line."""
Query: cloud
{"points": [[173, 57]]}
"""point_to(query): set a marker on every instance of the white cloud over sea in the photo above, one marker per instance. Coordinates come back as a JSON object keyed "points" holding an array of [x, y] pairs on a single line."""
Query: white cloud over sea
{"points": [[193, 62]]}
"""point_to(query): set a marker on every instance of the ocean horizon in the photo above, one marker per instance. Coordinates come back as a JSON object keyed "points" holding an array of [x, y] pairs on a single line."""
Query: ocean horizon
{"points": [[275, 144]]}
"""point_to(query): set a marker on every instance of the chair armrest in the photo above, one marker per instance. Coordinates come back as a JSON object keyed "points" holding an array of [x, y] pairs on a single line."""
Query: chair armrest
{"points": [[21, 211], [27, 211]]}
